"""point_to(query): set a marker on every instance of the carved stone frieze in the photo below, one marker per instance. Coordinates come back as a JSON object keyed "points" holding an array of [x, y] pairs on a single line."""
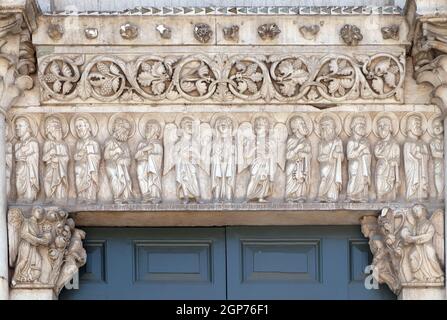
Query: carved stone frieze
{"points": [[224, 78], [407, 247], [45, 248]]}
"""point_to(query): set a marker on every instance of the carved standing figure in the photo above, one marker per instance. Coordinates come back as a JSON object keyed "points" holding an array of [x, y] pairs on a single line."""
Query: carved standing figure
{"points": [[118, 159], [299, 156], [26, 151], [416, 155], [149, 158], [359, 159], [223, 160], [87, 157], [387, 153], [55, 156], [262, 150], [330, 157], [184, 153], [437, 153]]}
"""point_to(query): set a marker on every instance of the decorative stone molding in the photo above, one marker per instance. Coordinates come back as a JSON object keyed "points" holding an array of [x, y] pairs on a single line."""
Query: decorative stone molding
{"points": [[45, 248], [298, 78], [407, 247]]}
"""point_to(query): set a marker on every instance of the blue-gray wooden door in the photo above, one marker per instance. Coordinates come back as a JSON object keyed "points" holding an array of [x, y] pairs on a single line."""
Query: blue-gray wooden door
{"points": [[306, 262]]}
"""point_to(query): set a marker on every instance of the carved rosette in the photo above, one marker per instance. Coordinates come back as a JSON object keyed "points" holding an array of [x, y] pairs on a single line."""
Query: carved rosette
{"points": [[199, 77], [45, 248]]}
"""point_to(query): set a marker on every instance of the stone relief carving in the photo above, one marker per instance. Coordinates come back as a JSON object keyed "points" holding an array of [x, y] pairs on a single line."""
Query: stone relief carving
{"points": [[351, 35], [55, 156], [330, 157], [358, 154], [408, 247], [390, 32], [387, 153], [436, 130], [129, 31], [231, 33], [91, 33], [310, 32], [164, 31], [26, 153], [214, 158], [186, 149], [118, 157], [55, 31], [87, 157], [416, 156], [8, 157], [149, 156], [261, 149], [202, 32], [268, 31], [223, 158], [45, 249], [222, 78], [299, 156]]}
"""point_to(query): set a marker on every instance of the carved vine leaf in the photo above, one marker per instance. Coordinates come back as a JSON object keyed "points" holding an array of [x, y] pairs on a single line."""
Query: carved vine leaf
{"points": [[384, 75], [340, 78], [196, 79], [247, 77], [154, 76], [107, 80], [290, 75], [59, 78]]}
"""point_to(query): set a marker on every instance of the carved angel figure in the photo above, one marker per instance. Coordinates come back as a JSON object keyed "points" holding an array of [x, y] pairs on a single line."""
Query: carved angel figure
{"points": [[223, 160], [437, 153], [26, 151], [45, 249], [55, 156], [330, 157], [117, 156], [299, 156], [387, 153], [416, 155], [187, 154], [359, 161], [149, 157], [262, 149], [87, 157]]}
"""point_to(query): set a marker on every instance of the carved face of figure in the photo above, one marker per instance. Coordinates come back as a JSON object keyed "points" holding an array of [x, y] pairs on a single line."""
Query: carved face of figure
{"points": [[327, 128], [438, 128], [224, 126], [414, 125], [384, 127], [152, 130], [121, 129], [299, 127], [82, 128], [186, 125], [419, 212], [54, 129], [22, 127], [37, 214], [358, 126], [261, 126]]}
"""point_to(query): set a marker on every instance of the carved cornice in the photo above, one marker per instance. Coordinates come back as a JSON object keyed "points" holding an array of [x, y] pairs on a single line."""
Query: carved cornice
{"points": [[192, 78]]}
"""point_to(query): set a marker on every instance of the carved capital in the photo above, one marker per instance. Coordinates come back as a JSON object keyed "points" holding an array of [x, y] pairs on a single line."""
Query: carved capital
{"points": [[45, 248], [407, 247]]}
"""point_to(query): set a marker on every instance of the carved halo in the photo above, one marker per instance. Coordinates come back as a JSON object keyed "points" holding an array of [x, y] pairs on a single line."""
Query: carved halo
{"points": [[150, 118], [403, 122], [31, 121], [348, 121], [62, 120], [305, 117], [394, 122], [91, 120], [126, 116], [217, 116], [430, 123], [336, 119], [271, 119]]}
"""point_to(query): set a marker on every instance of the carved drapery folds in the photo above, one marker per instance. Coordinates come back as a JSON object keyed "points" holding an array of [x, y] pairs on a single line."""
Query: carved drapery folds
{"points": [[45, 248], [224, 78], [281, 157], [407, 247]]}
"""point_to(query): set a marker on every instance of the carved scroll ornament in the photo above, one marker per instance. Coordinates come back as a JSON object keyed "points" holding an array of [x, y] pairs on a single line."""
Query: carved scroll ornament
{"points": [[222, 78]]}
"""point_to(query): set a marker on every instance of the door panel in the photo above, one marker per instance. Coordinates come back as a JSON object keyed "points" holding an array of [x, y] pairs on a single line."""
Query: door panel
{"points": [[153, 263], [298, 263]]}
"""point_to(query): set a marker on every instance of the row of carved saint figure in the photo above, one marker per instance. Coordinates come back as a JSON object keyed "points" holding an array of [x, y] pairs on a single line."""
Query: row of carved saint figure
{"points": [[223, 149]]}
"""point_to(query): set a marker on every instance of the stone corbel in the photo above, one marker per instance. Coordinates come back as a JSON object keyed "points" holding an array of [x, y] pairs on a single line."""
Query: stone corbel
{"points": [[408, 251], [45, 251]]}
